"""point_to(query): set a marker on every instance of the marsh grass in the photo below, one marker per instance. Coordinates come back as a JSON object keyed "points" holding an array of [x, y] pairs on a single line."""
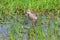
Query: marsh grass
{"points": [[12, 13]]}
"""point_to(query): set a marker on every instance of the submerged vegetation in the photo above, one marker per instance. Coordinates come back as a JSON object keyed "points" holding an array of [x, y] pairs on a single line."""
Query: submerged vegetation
{"points": [[15, 25]]}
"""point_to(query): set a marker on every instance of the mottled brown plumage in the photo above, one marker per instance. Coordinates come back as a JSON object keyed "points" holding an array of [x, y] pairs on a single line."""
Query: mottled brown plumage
{"points": [[31, 15]]}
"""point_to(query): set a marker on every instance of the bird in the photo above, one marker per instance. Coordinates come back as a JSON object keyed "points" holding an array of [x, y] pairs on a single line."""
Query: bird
{"points": [[32, 16]]}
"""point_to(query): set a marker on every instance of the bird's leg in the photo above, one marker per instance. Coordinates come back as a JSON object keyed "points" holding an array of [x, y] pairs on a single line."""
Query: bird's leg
{"points": [[33, 23]]}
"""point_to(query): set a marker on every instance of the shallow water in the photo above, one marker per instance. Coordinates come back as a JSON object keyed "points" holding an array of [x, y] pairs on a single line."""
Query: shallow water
{"points": [[5, 29]]}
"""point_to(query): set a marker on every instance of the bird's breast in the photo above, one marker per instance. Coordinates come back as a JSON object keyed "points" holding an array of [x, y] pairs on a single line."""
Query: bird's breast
{"points": [[33, 17]]}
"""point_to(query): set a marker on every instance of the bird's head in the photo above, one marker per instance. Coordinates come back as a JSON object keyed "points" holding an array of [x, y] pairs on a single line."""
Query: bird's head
{"points": [[28, 11]]}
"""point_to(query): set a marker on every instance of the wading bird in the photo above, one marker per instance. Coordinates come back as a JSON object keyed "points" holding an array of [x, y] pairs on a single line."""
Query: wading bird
{"points": [[32, 16]]}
